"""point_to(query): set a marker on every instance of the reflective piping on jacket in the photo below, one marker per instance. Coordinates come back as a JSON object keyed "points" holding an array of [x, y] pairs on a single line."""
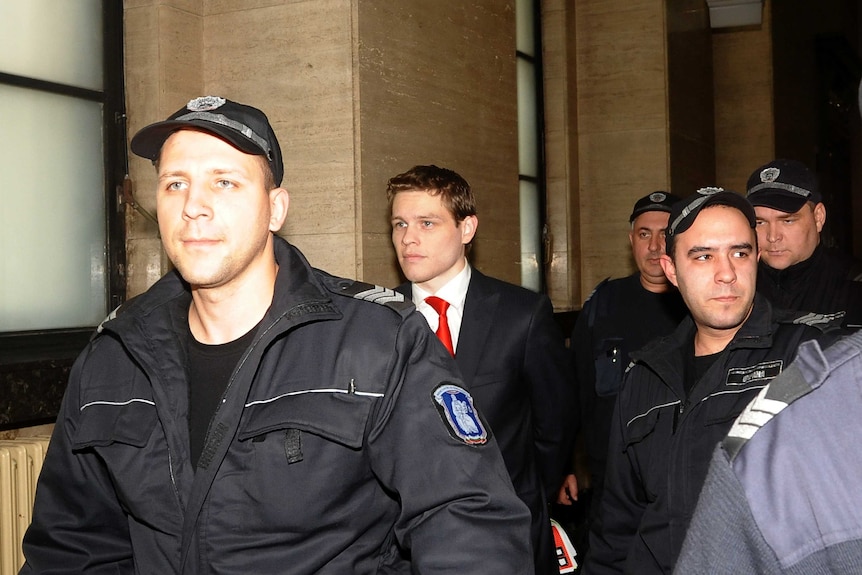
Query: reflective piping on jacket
{"points": [[304, 391], [651, 409], [781, 186], [118, 403], [677, 402], [743, 390]]}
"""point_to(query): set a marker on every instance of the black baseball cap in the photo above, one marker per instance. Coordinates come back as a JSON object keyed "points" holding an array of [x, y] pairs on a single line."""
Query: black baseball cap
{"points": [[244, 127], [783, 185], [654, 202], [684, 212]]}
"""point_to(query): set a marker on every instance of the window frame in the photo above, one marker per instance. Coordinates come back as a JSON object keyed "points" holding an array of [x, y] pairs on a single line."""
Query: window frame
{"points": [[540, 180], [35, 365]]}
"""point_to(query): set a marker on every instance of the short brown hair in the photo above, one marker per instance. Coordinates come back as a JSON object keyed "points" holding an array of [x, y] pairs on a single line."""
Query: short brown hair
{"points": [[454, 191]]}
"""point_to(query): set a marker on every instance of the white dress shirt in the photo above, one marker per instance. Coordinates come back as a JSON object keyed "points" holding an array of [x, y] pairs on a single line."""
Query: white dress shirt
{"points": [[454, 292]]}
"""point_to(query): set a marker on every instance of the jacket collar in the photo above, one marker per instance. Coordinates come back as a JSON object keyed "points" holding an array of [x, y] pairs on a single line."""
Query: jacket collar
{"points": [[663, 355], [796, 272], [299, 296], [757, 330]]}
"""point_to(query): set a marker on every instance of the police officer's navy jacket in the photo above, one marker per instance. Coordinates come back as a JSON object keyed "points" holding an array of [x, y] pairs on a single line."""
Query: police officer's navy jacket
{"points": [[782, 496], [343, 431], [827, 282], [661, 442], [618, 318]]}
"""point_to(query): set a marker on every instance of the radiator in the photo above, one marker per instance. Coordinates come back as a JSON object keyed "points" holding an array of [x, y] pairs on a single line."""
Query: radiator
{"points": [[20, 464]]}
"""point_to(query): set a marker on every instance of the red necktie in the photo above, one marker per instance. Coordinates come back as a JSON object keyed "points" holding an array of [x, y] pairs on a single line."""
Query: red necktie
{"points": [[440, 306]]}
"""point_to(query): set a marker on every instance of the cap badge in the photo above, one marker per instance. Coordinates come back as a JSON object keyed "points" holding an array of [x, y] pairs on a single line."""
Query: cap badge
{"points": [[205, 103], [709, 190], [657, 197], [769, 175]]}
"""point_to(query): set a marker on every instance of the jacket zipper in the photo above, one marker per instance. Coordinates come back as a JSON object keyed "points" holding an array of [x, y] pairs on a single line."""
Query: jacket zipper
{"points": [[173, 478]]}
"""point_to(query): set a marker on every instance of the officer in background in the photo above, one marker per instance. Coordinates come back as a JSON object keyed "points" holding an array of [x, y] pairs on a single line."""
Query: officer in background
{"points": [[619, 317], [796, 270]]}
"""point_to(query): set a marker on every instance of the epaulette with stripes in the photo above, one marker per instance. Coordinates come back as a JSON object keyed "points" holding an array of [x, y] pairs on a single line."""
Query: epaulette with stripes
{"points": [[822, 321], [113, 315], [375, 294], [772, 399]]}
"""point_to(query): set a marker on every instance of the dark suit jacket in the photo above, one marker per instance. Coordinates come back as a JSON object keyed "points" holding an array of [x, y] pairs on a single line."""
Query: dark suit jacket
{"points": [[513, 358]]}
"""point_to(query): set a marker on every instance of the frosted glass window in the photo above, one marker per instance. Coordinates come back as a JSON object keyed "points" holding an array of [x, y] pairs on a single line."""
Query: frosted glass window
{"points": [[528, 149], [525, 15], [52, 212], [54, 40], [529, 169], [531, 237]]}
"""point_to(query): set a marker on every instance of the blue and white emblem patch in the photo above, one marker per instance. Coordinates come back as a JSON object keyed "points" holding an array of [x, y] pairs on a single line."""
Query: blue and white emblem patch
{"points": [[456, 409]]}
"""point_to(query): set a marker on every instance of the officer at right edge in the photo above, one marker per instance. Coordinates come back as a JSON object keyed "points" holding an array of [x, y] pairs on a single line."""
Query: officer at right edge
{"points": [[797, 271]]}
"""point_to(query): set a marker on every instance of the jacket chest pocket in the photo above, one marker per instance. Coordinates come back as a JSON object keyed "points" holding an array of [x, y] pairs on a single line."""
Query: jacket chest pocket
{"points": [[292, 454], [107, 423], [338, 417], [741, 385], [724, 407], [610, 365], [647, 441], [125, 436]]}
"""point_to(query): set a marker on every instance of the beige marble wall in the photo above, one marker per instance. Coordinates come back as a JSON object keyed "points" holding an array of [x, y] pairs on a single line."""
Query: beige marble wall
{"points": [[559, 60], [629, 110], [744, 118], [357, 91], [163, 65], [436, 85], [690, 96], [294, 60], [622, 122]]}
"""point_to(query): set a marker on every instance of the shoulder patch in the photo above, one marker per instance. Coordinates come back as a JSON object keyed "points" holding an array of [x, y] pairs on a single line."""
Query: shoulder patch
{"points": [[458, 413], [375, 294]]}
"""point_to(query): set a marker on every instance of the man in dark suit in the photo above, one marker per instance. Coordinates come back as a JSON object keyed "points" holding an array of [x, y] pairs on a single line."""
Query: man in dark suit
{"points": [[511, 353]]}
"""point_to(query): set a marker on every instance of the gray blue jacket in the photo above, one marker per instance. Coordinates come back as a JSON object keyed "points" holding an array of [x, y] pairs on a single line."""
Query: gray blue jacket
{"points": [[783, 493]]}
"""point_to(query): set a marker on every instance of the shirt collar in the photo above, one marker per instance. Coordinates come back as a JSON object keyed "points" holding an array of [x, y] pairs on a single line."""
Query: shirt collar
{"points": [[454, 291]]}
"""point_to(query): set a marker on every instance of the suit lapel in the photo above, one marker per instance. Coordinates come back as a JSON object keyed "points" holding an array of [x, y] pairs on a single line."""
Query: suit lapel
{"points": [[480, 308], [479, 313]]}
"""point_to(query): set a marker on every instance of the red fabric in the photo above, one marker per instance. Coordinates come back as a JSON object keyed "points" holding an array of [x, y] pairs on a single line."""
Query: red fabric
{"points": [[440, 306]]}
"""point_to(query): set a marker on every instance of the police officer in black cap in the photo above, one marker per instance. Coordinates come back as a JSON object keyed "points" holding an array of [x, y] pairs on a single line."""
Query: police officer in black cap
{"points": [[620, 316], [252, 414], [683, 391], [796, 270]]}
